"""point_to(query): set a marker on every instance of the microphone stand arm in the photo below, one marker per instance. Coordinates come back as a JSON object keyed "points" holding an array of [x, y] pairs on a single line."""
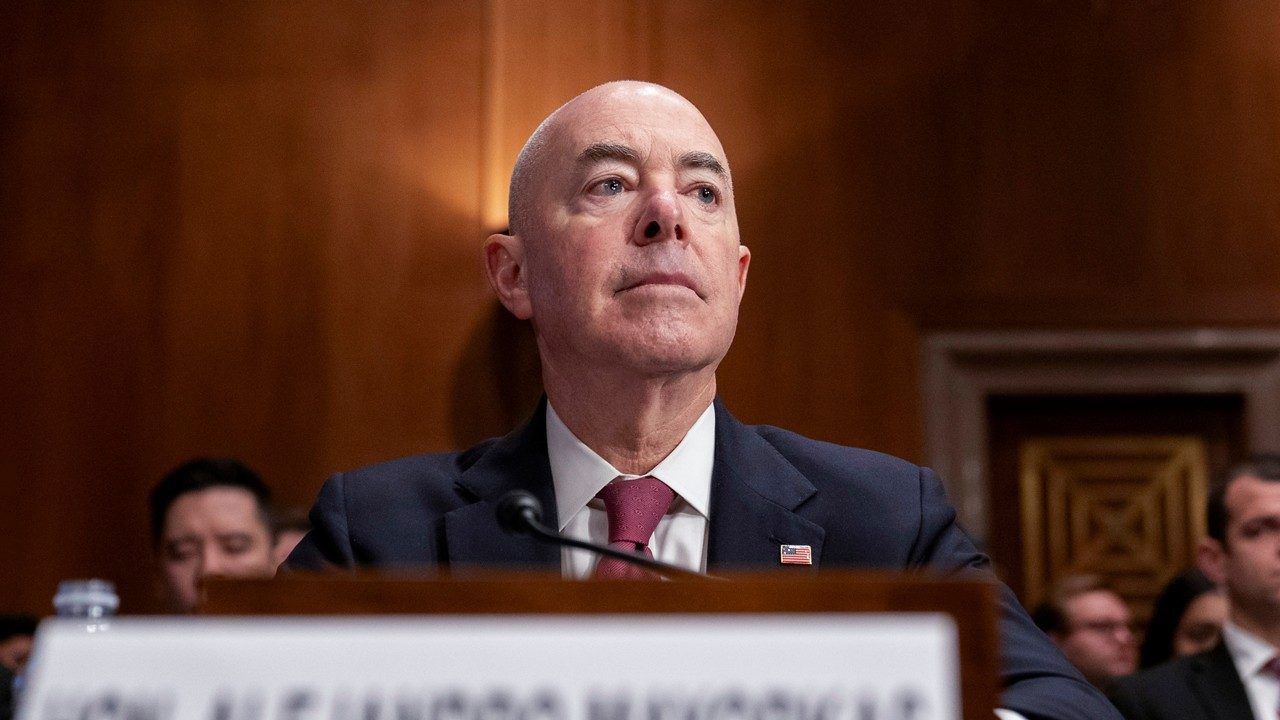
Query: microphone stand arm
{"points": [[666, 570]]}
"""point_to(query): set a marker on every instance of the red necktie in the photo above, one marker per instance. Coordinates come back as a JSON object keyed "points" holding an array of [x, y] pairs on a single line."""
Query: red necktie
{"points": [[1273, 668], [634, 508]]}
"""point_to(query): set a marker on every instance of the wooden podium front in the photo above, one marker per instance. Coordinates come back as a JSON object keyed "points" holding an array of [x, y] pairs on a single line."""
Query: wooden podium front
{"points": [[971, 604]]}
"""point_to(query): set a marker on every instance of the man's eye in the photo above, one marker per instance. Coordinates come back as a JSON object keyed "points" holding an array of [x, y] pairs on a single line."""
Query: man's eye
{"points": [[181, 554], [705, 195], [1262, 526], [610, 186], [1253, 531]]}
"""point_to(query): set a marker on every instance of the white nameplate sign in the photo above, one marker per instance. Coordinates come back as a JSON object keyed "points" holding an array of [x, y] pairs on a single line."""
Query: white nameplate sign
{"points": [[515, 667]]}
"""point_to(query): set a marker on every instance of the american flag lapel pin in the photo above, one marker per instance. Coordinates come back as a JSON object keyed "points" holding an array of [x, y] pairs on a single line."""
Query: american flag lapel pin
{"points": [[796, 555]]}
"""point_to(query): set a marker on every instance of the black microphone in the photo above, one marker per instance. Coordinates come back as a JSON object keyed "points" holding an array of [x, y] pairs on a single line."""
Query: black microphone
{"points": [[520, 513]]}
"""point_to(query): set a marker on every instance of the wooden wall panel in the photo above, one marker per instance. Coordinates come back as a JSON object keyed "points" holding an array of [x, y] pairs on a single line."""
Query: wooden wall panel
{"points": [[246, 230], [1112, 164]]}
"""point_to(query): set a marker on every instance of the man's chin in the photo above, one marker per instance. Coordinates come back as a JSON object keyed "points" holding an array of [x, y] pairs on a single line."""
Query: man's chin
{"points": [[1122, 668], [666, 366], [656, 358]]}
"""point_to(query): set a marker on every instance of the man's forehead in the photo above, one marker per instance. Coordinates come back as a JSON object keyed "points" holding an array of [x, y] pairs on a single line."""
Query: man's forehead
{"points": [[1250, 494], [1095, 601], [215, 505], [645, 124], [654, 123]]}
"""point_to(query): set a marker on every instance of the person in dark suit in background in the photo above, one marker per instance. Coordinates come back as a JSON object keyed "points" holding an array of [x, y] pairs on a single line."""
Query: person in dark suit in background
{"points": [[623, 251], [1239, 679]]}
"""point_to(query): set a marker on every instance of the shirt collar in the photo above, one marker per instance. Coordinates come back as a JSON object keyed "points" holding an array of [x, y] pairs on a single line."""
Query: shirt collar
{"points": [[578, 472], [1248, 651]]}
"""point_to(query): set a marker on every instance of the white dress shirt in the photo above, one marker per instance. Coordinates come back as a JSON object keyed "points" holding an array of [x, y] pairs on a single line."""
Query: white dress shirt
{"points": [[1249, 653], [578, 473]]}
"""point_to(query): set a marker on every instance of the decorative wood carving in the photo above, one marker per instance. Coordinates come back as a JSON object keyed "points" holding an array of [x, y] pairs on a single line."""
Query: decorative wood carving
{"points": [[1129, 509]]}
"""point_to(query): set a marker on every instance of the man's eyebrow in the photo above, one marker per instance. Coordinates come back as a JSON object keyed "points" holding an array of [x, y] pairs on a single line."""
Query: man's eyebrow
{"points": [[704, 160], [596, 152]]}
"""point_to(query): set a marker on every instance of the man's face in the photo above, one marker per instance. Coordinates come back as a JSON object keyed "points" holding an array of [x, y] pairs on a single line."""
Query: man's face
{"points": [[218, 531], [1099, 639], [632, 259], [1248, 563]]}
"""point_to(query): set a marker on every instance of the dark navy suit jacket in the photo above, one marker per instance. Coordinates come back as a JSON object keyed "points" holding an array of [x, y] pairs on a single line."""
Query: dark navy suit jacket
{"points": [[855, 508], [1199, 687]]}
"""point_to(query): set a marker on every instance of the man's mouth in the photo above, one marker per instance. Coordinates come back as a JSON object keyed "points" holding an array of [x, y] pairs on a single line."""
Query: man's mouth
{"points": [[662, 279]]}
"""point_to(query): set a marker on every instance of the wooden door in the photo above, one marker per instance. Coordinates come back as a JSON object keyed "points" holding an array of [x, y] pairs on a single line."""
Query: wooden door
{"points": [[1107, 485]]}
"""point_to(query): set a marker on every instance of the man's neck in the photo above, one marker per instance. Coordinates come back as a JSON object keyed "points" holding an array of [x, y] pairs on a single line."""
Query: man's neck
{"points": [[1265, 629], [632, 425]]}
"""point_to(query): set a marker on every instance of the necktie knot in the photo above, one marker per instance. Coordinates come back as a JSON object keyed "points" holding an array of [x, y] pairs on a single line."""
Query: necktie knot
{"points": [[1272, 667], [634, 508]]}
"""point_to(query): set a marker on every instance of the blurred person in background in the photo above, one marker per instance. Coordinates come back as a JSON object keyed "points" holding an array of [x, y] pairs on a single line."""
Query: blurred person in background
{"points": [[1187, 619], [17, 633], [210, 518], [291, 525], [1092, 626], [1239, 678]]}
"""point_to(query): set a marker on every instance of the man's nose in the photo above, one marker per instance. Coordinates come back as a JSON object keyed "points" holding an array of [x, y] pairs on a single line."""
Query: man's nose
{"points": [[662, 219], [211, 563]]}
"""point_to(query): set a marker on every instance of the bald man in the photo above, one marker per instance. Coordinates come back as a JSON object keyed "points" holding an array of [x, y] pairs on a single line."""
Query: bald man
{"points": [[623, 252]]}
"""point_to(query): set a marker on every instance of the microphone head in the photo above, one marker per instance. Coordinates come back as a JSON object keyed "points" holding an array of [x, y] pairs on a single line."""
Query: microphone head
{"points": [[516, 510]]}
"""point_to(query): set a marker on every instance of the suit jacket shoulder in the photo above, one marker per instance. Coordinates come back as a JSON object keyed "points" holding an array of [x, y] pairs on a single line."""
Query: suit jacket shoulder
{"points": [[387, 514], [1198, 687], [430, 511], [869, 500]]}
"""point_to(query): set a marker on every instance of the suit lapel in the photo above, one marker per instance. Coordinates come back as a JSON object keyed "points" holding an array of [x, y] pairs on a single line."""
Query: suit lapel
{"points": [[517, 461], [754, 494], [1216, 683]]}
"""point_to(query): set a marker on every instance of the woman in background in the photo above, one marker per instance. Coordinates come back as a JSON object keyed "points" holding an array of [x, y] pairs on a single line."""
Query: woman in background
{"points": [[1186, 619]]}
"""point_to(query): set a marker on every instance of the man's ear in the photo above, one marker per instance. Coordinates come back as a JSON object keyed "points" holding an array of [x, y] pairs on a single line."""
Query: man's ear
{"points": [[504, 264], [1211, 557], [744, 261]]}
